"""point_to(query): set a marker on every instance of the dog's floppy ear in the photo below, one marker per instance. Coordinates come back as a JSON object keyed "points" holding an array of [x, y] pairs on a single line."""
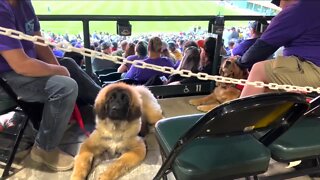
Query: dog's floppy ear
{"points": [[100, 106], [135, 110], [100, 109]]}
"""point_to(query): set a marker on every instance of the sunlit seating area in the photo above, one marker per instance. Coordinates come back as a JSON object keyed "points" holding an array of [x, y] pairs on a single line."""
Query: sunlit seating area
{"points": [[162, 105]]}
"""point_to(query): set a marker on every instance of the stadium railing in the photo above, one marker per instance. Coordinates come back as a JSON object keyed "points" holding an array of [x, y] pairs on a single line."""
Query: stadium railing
{"points": [[178, 90]]}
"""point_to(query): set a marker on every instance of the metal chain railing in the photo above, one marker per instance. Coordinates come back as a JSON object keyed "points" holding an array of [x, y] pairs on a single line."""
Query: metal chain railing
{"points": [[140, 64]]}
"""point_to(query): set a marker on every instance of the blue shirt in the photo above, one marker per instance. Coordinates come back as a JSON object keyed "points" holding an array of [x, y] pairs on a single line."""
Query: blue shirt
{"points": [[21, 18]]}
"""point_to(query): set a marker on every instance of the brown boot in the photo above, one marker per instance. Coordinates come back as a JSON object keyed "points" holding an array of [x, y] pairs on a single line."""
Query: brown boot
{"points": [[55, 159]]}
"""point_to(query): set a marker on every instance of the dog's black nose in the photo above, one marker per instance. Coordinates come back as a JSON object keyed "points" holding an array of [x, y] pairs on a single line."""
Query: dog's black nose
{"points": [[115, 108]]}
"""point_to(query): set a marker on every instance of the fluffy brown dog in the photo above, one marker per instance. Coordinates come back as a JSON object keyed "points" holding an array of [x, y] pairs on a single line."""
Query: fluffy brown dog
{"points": [[223, 92], [120, 110]]}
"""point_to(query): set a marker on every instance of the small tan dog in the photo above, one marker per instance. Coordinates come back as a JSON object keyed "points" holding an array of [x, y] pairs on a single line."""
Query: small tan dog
{"points": [[120, 110], [223, 92]]}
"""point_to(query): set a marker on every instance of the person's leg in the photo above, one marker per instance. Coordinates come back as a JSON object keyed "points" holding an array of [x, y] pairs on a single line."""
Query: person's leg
{"points": [[88, 89], [285, 70], [257, 73], [58, 94]]}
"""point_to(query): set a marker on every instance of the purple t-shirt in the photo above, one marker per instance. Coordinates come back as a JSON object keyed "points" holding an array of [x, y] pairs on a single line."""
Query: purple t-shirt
{"points": [[143, 75], [21, 18], [297, 28], [134, 57]]}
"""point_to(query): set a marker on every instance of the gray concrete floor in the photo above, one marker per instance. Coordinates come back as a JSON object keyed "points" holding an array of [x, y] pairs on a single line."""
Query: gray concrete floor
{"points": [[27, 169]]}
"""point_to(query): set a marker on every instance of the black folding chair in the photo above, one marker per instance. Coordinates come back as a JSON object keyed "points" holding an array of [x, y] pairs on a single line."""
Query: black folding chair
{"points": [[220, 144], [12, 103]]}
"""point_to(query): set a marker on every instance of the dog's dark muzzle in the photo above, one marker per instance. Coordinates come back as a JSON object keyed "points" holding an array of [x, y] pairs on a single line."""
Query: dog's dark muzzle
{"points": [[118, 112], [118, 106]]}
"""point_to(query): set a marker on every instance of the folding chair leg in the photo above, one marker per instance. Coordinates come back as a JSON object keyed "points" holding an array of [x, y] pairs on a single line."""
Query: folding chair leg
{"points": [[15, 148], [164, 176]]}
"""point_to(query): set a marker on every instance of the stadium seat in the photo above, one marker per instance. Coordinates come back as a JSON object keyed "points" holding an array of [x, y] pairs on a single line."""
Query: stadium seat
{"points": [[300, 142], [124, 80], [220, 144], [110, 77], [105, 71]]}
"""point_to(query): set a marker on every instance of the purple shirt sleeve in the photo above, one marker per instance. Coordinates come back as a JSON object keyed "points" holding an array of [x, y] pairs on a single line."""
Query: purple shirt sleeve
{"points": [[21, 18], [241, 48], [7, 20], [288, 25], [297, 28]]}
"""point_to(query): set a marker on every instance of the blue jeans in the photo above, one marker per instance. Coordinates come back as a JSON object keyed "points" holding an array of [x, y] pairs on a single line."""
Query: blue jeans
{"points": [[57, 93]]}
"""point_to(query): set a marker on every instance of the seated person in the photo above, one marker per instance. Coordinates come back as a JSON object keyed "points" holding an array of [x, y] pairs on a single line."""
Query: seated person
{"points": [[35, 75], [130, 50], [166, 53], [256, 29], [187, 44], [77, 57], [190, 43], [229, 48], [101, 64], [207, 55], [173, 50], [141, 50], [190, 61], [57, 52], [120, 52], [300, 36], [154, 57]]}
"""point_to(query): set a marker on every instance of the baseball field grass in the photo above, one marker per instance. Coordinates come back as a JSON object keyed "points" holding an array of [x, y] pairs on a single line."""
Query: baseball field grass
{"points": [[133, 7]]}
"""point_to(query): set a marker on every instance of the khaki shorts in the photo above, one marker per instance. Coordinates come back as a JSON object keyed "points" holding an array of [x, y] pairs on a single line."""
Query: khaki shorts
{"points": [[290, 70]]}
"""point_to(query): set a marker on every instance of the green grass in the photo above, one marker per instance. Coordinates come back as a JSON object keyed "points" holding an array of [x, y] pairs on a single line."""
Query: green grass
{"points": [[134, 7]]}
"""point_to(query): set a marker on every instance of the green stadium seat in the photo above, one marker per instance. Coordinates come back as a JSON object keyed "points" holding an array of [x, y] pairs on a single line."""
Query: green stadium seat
{"points": [[219, 144], [300, 142]]}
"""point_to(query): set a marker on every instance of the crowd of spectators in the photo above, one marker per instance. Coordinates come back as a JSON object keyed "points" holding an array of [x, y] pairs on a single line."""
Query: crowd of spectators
{"points": [[172, 44]]}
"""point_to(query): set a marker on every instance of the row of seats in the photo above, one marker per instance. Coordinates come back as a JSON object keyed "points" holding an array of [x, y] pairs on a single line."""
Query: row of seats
{"points": [[238, 139], [108, 76]]}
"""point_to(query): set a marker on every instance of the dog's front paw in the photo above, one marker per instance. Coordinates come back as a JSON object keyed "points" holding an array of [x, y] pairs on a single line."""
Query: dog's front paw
{"points": [[104, 176], [73, 177], [194, 102], [204, 108]]}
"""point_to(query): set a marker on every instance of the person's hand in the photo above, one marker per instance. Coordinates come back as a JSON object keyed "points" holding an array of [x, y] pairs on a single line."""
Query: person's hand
{"points": [[174, 83], [234, 58], [63, 71]]}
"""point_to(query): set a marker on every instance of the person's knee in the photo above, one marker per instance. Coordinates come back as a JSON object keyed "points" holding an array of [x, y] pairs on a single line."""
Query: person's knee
{"points": [[66, 87], [259, 66], [258, 71], [69, 63], [72, 87]]}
